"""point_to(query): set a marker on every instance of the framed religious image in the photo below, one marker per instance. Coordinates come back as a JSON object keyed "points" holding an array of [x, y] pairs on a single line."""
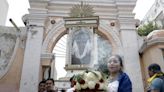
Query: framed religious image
{"points": [[81, 47]]}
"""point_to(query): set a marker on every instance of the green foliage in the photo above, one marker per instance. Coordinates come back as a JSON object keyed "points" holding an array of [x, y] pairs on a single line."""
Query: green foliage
{"points": [[147, 28]]}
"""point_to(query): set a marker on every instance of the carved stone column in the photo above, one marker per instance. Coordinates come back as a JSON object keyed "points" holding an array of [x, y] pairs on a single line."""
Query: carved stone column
{"points": [[31, 64], [131, 56]]}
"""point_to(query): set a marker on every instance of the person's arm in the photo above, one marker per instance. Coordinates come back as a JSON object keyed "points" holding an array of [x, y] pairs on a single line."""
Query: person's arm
{"points": [[156, 85], [125, 84], [155, 90]]}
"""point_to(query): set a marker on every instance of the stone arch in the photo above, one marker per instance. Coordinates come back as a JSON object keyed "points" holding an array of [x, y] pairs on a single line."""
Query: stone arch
{"points": [[53, 36], [112, 36], [59, 30]]}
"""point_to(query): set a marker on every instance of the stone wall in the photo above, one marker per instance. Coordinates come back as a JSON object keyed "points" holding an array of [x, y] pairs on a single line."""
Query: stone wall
{"points": [[11, 59], [151, 55]]}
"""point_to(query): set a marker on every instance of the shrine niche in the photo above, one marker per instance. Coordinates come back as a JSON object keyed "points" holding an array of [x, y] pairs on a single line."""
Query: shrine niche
{"points": [[81, 26], [86, 46]]}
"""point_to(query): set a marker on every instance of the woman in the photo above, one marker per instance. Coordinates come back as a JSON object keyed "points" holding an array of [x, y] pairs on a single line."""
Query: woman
{"points": [[118, 80]]}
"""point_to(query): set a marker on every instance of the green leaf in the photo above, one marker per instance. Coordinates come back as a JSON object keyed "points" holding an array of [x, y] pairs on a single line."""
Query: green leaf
{"points": [[145, 29]]}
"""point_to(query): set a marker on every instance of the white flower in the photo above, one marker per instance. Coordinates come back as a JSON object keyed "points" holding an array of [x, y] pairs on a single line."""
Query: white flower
{"points": [[103, 86], [85, 76], [91, 80], [98, 74], [91, 84], [84, 86], [91, 77], [77, 86]]}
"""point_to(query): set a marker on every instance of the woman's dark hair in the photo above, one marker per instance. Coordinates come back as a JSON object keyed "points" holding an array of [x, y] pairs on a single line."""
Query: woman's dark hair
{"points": [[62, 90], [71, 79], [154, 68], [51, 80]]}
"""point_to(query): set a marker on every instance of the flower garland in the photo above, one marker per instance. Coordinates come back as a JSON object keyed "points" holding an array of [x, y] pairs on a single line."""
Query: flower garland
{"points": [[90, 80]]}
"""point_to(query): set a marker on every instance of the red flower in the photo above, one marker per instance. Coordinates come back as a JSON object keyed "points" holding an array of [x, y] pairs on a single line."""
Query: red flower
{"points": [[82, 81], [97, 86], [74, 82], [101, 80]]}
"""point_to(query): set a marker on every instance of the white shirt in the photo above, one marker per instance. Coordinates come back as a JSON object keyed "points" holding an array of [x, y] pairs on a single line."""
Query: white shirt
{"points": [[70, 90], [113, 86]]}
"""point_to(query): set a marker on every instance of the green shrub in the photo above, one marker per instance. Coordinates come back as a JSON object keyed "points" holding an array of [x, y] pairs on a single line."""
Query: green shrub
{"points": [[145, 29]]}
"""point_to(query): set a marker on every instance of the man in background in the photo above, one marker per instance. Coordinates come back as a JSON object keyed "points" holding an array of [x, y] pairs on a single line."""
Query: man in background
{"points": [[50, 85], [156, 80], [42, 86], [72, 89]]}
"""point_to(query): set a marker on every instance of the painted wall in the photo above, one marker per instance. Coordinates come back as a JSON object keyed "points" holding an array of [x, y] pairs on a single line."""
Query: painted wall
{"points": [[11, 81], [151, 55]]}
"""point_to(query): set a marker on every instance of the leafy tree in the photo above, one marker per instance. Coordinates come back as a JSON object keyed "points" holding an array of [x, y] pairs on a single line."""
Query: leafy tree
{"points": [[145, 29]]}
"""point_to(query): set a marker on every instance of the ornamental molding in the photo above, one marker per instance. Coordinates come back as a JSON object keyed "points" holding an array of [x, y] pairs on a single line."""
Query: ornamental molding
{"points": [[51, 35], [105, 9], [81, 10], [59, 27], [149, 43]]}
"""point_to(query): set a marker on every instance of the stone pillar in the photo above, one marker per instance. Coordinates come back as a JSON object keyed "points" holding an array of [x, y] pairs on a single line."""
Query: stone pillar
{"points": [[130, 53], [95, 51], [53, 69], [31, 64], [68, 50]]}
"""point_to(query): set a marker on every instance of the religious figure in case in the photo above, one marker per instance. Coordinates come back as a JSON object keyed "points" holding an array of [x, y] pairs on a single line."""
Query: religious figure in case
{"points": [[81, 47]]}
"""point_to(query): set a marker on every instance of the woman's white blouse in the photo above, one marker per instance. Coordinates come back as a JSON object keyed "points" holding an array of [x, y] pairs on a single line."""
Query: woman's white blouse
{"points": [[113, 86]]}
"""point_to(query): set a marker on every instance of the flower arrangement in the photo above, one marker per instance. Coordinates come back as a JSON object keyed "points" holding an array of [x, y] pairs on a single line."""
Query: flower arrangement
{"points": [[90, 81]]}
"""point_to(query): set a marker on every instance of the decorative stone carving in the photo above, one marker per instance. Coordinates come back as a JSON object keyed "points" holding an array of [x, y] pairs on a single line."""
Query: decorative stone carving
{"points": [[53, 33], [7, 46], [81, 10]]}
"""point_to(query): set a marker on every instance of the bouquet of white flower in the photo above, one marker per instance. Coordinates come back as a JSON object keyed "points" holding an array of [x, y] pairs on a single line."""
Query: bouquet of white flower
{"points": [[90, 81]]}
